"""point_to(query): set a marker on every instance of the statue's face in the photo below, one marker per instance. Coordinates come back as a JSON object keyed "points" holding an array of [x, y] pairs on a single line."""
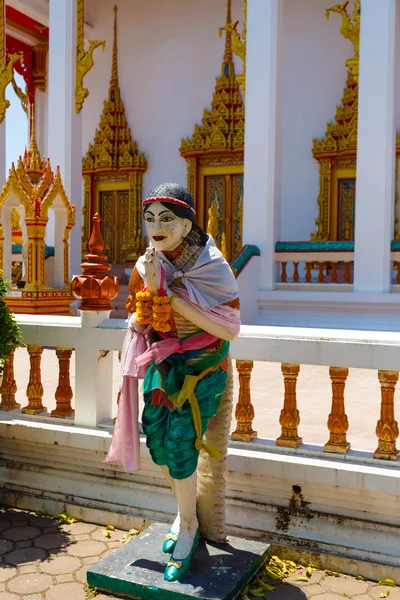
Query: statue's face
{"points": [[166, 231]]}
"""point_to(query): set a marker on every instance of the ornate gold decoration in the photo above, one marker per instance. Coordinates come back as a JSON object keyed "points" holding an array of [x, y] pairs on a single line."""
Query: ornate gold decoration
{"points": [[84, 59], [113, 175], [95, 288], [244, 412], [16, 227], [350, 29], [336, 152], [216, 149], [6, 69], [64, 393], [337, 421], [387, 429], [39, 66], [34, 391], [212, 223], [290, 416], [21, 95], [36, 187], [8, 387], [239, 44]]}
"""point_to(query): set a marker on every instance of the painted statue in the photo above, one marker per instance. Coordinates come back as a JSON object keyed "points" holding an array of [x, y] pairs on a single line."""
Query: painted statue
{"points": [[185, 311]]}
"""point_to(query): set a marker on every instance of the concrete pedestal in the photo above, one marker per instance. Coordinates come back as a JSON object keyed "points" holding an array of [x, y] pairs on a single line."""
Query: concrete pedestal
{"points": [[219, 571]]}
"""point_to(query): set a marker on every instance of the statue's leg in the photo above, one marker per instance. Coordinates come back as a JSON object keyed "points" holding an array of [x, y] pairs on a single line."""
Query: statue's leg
{"points": [[211, 481], [185, 491], [175, 525]]}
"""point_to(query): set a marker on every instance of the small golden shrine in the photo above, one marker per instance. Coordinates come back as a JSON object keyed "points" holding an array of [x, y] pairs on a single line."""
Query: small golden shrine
{"points": [[113, 173], [336, 153], [33, 189], [215, 156]]}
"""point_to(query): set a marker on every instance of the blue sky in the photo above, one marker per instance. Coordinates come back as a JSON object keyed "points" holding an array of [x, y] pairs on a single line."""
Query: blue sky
{"points": [[16, 125]]}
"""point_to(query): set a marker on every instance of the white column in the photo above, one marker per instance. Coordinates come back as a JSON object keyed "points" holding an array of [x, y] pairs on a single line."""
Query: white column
{"points": [[64, 125], [262, 134], [93, 376], [375, 148]]}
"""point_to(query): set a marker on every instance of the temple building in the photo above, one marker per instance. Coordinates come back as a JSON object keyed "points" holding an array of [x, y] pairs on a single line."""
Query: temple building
{"points": [[281, 117]]}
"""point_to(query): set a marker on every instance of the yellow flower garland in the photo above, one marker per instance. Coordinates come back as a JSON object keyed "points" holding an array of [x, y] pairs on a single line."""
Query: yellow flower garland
{"points": [[161, 313], [144, 307], [153, 309]]}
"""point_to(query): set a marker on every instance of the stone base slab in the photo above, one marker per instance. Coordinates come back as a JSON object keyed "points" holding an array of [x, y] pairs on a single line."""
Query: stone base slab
{"points": [[218, 572]]}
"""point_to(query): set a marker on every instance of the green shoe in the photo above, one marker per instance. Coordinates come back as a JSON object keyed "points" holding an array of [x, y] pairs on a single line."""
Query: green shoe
{"points": [[176, 569], [170, 542]]}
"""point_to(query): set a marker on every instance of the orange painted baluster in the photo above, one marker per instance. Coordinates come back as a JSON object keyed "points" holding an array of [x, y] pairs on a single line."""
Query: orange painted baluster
{"points": [[387, 428], [334, 273], [290, 416], [283, 273], [308, 272], [337, 421], [321, 275], [34, 390], [347, 272], [244, 412], [8, 387], [296, 272], [64, 393]]}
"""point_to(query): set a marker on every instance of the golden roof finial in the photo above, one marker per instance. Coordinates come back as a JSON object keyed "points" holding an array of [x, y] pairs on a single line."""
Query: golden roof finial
{"points": [[114, 69], [228, 34], [32, 141], [32, 158]]}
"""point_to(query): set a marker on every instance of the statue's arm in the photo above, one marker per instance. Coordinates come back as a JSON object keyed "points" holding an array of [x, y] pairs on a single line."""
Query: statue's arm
{"points": [[190, 313]]}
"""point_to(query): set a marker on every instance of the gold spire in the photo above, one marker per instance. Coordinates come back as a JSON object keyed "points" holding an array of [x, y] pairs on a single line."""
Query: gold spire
{"points": [[228, 34], [32, 159], [114, 69], [222, 128]]}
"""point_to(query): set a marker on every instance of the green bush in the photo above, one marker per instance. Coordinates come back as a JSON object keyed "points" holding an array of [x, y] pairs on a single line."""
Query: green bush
{"points": [[10, 334]]}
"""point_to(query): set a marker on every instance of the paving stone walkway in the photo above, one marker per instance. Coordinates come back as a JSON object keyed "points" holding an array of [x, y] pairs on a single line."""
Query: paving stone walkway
{"points": [[42, 559]]}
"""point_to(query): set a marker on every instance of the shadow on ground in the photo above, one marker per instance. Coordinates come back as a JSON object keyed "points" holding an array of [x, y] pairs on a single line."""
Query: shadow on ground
{"points": [[25, 537]]}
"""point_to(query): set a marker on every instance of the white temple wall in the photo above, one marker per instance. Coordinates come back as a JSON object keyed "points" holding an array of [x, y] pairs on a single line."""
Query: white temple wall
{"points": [[169, 56], [314, 76]]}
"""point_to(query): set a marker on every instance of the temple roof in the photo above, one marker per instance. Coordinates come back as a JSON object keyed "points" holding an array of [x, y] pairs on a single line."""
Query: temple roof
{"points": [[222, 128], [35, 184], [113, 147]]}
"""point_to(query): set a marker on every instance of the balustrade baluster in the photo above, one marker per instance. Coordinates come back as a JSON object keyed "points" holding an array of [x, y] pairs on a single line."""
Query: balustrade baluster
{"points": [[64, 393], [308, 272], [321, 274], [290, 416], [337, 421], [8, 387], [347, 272], [387, 428], [34, 390], [244, 412], [334, 273], [296, 277], [397, 266], [283, 273]]}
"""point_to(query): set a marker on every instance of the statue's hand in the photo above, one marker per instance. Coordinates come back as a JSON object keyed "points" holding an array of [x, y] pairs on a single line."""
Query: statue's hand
{"points": [[153, 270]]}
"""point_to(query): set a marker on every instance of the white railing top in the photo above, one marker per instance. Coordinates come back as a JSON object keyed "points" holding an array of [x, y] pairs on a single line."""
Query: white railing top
{"points": [[329, 347]]}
